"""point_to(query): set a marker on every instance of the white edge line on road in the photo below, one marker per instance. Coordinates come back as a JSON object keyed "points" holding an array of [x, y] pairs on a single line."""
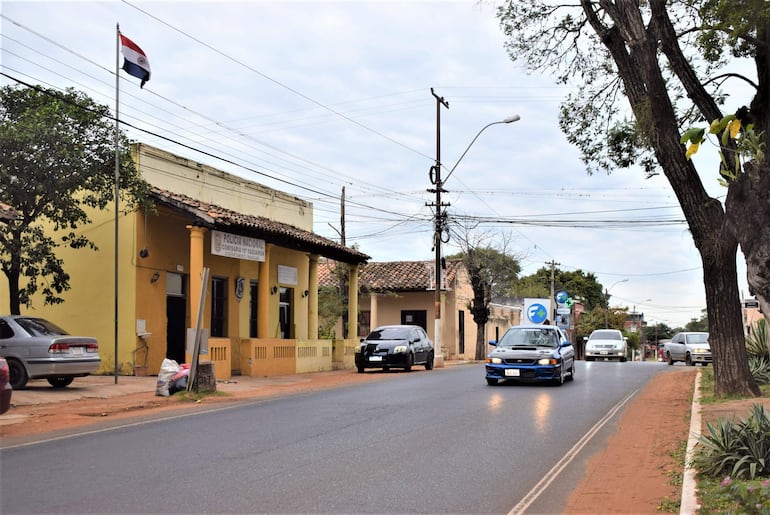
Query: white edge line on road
{"points": [[689, 502], [552, 474]]}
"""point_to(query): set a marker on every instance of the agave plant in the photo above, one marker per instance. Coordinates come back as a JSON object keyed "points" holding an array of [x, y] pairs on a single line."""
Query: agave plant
{"points": [[760, 369], [756, 341], [740, 450]]}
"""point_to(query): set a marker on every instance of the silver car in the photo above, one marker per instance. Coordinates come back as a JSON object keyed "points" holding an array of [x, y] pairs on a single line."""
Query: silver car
{"points": [[38, 349], [606, 344]]}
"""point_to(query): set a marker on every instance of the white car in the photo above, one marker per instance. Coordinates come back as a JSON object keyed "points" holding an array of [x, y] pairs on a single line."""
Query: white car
{"points": [[690, 347], [606, 344]]}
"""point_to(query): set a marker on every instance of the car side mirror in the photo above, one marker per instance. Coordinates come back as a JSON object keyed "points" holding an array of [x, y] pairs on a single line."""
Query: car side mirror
{"points": [[361, 340], [566, 344], [493, 343]]}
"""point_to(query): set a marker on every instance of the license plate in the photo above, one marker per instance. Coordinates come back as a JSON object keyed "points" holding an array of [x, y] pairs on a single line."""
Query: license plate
{"points": [[77, 350], [375, 358], [512, 372], [603, 352]]}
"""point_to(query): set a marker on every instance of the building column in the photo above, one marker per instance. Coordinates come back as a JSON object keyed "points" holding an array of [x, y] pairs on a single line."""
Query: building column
{"points": [[196, 270], [373, 308], [353, 302], [263, 295], [312, 301]]}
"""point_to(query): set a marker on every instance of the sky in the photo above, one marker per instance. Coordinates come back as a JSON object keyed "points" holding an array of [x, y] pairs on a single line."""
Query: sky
{"points": [[313, 97]]}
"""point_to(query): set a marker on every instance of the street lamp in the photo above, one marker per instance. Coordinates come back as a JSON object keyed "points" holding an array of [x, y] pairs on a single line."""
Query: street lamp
{"points": [[440, 218], [607, 299]]}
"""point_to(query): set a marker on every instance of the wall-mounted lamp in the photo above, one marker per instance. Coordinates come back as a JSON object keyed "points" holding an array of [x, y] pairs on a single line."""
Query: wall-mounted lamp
{"points": [[145, 252], [155, 278], [273, 290], [305, 294]]}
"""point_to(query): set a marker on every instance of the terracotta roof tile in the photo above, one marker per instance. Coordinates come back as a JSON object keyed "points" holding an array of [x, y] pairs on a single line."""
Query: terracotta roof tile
{"points": [[391, 275], [285, 235]]}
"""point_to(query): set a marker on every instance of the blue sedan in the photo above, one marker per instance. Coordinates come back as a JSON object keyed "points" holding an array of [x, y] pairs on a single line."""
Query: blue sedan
{"points": [[531, 353]]}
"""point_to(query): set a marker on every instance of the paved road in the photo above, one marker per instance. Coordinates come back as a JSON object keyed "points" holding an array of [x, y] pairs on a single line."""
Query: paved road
{"points": [[424, 442]]}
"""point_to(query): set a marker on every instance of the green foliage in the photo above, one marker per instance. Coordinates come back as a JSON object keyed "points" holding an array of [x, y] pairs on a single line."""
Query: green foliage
{"points": [[330, 308], [740, 450], [756, 340], [580, 285], [57, 157], [741, 143], [698, 324], [747, 497], [760, 369]]}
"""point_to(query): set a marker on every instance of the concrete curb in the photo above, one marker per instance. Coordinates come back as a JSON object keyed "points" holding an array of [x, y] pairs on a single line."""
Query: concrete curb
{"points": [[689, 503]]}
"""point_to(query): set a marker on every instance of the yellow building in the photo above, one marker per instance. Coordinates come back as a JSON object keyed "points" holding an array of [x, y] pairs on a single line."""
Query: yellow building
{"points": [[260, 296]]}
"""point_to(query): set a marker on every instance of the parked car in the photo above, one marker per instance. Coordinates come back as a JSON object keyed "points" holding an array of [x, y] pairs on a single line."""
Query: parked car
{"points": [[38, 349], [690, 347], [531, 353], [606, 344], [5, 386], [395, 346]]}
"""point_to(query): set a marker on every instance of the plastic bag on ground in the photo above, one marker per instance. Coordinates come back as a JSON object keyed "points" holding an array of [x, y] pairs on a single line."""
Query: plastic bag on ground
{"points": [[168, 368]]}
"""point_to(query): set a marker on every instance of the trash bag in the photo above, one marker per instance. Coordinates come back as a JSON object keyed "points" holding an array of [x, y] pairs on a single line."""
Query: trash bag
{"points": [[177, 385], [168, 368]]}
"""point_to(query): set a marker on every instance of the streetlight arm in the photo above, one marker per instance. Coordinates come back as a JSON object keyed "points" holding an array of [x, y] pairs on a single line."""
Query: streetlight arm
{"points": [[510, 119]]}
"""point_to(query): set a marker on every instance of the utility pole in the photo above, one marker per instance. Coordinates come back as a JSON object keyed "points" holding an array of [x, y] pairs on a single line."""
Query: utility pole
{"points": [[438, 222], [342, 217], [553, 289]]}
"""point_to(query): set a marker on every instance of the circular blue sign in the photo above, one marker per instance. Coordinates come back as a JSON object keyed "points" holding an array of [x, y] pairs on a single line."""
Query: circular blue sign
{"points": [[537, 313], [562, 297]]}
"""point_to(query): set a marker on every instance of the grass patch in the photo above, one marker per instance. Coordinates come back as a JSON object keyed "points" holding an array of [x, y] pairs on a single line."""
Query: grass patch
{"points": [[199, 396]]}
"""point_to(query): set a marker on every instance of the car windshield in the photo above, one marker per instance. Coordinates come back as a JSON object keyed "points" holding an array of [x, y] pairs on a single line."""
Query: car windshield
{"points": [[40, 327], [530, 337], [389, 333], [698, 338], [605, 335]]}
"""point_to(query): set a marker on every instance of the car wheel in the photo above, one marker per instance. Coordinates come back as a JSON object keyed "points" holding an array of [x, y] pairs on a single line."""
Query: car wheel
{"points": [[491, 381], [409, 363], [571, 376], [60, 382], [360, 370], [429, 363], [688, 361], [559, 380], [668, 358], [18, 374]]}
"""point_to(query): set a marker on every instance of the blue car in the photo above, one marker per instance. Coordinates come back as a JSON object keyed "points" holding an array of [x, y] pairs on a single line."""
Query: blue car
{"points": [[531, 353]]}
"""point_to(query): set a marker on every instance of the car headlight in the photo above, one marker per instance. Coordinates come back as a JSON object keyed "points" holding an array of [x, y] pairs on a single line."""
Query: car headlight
{"points": [[399, 348], [496, 361], [547, 361]]}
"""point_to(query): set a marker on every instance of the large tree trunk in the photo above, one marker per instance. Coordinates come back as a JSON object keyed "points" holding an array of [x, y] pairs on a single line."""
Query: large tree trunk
{"points": [[748, 210], [634, 48]]}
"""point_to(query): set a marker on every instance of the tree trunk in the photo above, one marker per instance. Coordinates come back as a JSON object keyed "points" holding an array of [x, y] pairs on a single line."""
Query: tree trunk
{"points": [[13, 291], [481, 344]]}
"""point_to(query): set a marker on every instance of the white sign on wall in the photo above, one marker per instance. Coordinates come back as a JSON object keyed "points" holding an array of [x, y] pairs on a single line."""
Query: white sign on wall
{"points": [[238, 247], [287, 275]]}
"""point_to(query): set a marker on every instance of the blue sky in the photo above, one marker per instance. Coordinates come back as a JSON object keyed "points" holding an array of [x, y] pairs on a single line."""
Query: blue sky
{"points": [[311, 97]]}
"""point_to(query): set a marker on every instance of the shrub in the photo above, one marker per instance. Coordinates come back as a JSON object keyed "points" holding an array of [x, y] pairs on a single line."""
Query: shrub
{"points": [[756, 340], [740, 450], [760, 369]]}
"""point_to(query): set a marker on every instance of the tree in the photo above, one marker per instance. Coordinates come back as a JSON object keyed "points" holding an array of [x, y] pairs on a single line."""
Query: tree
{"points": [[491, 272], [57, 158], [646, 53], [578, 284]]}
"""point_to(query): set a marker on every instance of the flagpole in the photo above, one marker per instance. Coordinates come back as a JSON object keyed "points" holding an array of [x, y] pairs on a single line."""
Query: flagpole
{"points": [[117, 179]]}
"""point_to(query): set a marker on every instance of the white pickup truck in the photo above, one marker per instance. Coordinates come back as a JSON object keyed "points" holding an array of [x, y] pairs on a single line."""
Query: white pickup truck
{"points": [[689, 347]]}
